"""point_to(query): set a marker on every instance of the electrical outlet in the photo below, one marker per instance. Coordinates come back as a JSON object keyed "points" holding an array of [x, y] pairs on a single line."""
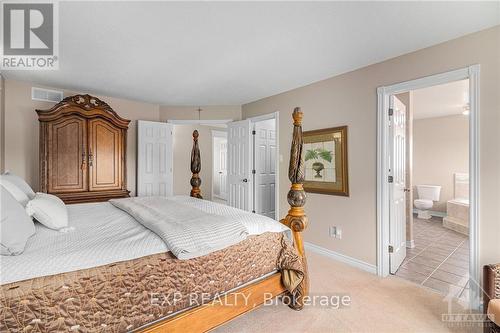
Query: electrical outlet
{"points": [[333, 231]]}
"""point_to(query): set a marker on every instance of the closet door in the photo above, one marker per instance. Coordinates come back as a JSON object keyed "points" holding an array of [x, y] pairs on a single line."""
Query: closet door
{"points": [[154, 159], [67, 155], [238, 166], [105, 156]]}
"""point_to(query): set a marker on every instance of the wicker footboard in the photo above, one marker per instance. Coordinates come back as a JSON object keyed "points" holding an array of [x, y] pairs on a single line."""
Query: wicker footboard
{"points": [[491, 291]]}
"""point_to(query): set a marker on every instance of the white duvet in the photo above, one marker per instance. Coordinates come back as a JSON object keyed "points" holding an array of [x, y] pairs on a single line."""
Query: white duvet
{"points": [[102, 234]]}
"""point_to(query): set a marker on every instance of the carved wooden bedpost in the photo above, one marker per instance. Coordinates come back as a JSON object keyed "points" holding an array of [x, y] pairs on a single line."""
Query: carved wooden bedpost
{"points": [[195, 167], [296, 218]]}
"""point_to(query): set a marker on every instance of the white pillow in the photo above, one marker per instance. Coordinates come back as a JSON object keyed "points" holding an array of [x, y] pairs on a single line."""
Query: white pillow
{"points": [[15, 191], [49, 210], [20, 183], [15, 226]]}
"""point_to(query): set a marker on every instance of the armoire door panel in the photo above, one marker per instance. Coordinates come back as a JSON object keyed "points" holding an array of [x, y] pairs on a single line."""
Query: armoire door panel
{"points": [[67, 164], [105, 146]]}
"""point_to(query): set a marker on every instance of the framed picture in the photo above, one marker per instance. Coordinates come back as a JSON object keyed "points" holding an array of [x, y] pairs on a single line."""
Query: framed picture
{"points": [[325, 155]]}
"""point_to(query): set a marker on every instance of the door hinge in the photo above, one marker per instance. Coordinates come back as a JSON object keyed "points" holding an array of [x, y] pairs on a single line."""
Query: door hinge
{"points": [[253, 132], [390, 179], [391, 249], [253, 171], [391, 112]]}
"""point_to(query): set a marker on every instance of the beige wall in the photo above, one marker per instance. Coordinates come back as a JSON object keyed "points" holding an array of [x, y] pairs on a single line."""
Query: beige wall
{"points": [[441, 148], [21, 129], [350, 99]]}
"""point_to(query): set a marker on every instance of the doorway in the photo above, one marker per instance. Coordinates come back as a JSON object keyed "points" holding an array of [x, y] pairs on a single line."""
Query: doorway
{"points": [[435, 184], [396, 251], [210, 132], [242, 158]]}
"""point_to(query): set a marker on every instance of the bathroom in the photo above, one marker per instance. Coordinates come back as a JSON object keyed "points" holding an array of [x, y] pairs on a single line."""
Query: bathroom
{"points": [[437, 179]]}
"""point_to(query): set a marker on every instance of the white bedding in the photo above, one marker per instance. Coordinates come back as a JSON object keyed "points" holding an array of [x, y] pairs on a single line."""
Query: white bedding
{"points": [[102, 234], [188, 232]]}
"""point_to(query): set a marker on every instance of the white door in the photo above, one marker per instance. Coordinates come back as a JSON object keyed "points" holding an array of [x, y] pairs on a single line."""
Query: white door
{"points": [[238, 165], [154, 159], [397, 201], [265, 168], [220, 167]]}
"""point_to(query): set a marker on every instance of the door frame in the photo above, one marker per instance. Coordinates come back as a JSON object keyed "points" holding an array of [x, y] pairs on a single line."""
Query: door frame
{"points": [[472, 73], [218, 134], [276, 116]]}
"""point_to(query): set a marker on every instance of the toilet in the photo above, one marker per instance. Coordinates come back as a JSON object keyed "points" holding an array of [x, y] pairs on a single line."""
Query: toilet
{"points": [[426, 195]]}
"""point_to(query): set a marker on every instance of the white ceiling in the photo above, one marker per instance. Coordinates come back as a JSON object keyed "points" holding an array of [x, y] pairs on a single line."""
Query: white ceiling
{"points": [[439, 101], [217, 53]]}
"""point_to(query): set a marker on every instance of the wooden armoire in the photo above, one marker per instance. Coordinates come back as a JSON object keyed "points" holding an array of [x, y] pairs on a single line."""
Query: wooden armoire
{"points": [[83, 144]]}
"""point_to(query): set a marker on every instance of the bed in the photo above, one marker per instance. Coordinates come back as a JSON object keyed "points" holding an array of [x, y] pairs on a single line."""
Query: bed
{"points": [[110, 273]]}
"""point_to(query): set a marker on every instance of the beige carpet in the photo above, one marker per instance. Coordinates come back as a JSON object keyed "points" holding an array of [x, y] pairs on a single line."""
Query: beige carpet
{"points": [[377, 305]]}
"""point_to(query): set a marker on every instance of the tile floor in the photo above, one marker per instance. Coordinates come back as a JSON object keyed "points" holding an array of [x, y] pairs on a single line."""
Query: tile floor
{"points": [[439, 260]]}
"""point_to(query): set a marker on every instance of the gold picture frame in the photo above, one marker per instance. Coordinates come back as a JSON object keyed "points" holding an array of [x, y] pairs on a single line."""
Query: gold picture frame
{"points": [[325, 155]]}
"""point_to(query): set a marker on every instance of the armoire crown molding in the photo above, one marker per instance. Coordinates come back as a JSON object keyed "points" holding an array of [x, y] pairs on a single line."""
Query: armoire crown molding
{"points": [[92, 106]]}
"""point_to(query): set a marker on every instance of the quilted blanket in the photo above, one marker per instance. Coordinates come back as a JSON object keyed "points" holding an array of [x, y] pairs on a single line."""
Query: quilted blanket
{"points": [[188, 232]]}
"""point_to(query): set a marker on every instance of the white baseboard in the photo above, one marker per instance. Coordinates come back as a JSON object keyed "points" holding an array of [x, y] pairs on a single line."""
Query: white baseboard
{"points": [[410, 244], [341, 257]]}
